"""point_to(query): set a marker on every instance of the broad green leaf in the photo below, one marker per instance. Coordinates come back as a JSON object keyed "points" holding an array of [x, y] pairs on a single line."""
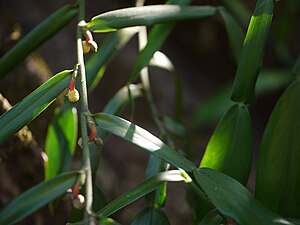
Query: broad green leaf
{"points": [[151, 216], [96, 65], [61, 141], [253, 52], [146, 16], [234, 32], [232, 199], [212, 218], [230, 148], [32, 105], [36, 197], [37, 37], [278, 173], [138, 136], [139, 191]]}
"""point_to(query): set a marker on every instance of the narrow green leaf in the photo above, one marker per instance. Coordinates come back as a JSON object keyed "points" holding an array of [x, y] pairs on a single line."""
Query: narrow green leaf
{"points": [[174, 127], [61, 141], [140, 191], [234, 32], [278, 173], [36, 197], [40, 34], [146, 16], [31, 106], [137, 135], [151, 216], [253, 51], [232, 199], [212, 218], [230, 148]]}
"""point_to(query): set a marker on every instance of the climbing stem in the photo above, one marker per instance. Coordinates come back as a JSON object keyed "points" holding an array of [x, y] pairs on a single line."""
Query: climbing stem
{"points": [[84, 111]]}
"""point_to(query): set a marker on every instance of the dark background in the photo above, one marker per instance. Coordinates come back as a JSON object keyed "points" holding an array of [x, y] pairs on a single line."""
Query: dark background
{"points": [[200, 52]]}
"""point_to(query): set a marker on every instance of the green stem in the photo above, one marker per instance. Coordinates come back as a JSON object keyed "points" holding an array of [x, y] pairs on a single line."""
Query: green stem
{"points": [[84, 111]]}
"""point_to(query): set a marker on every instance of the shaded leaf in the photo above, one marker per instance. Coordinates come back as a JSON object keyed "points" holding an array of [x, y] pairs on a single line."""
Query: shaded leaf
{"points": [[212, 218], [137, 135], [232, 199], [146, 16], [253, 52], [40, 34], [32, 105], [36, 197], [151, 216], [61, 141], [278, 173]]}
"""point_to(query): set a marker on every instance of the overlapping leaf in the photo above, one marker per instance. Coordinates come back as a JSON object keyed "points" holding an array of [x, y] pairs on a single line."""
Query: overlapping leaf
{"points": [[31, 106]]}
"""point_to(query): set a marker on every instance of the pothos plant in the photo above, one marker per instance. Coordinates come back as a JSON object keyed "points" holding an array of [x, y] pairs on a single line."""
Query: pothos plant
{"points": [[218, 184]]}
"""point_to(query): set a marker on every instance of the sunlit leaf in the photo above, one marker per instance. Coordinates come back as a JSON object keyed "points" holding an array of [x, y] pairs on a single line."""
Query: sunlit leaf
{"points": [[253, 51], [230, 147], [137, 135], [61, 141], [146, 16]]}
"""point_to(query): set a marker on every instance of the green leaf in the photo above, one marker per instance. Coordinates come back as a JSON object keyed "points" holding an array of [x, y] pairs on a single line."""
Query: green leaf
{"points": [[40, 34], [151, 216], [296, 68], [230, 148], [140, 137], [36, 197], [234, 32], [31, 106], [146, 16], [212, 218], [238, 10], [140, 191], [232, 199], [278, 173], [61, 141], [253, 52]]}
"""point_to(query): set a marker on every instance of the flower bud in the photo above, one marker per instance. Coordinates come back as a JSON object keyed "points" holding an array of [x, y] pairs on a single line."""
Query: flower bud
{"points": [[78, 202], [73, 95]]}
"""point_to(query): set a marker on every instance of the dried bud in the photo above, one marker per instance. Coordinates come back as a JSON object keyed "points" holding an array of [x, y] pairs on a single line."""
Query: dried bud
{"points": [[86, 47], [73, 95]]}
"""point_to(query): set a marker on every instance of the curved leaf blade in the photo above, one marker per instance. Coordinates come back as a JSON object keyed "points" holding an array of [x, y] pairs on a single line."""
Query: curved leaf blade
{"points": [[139, 191], [253, 52], [40, 34], [212, 218], [230, 148], [61, 141], [36, 197], [138, 136], [232, 199], [278, 173], [151, 216], [146, 16], [32, 105]]}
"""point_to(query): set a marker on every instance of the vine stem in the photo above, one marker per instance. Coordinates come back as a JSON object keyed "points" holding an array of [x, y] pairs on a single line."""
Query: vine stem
{"points": [[83, 116]]}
